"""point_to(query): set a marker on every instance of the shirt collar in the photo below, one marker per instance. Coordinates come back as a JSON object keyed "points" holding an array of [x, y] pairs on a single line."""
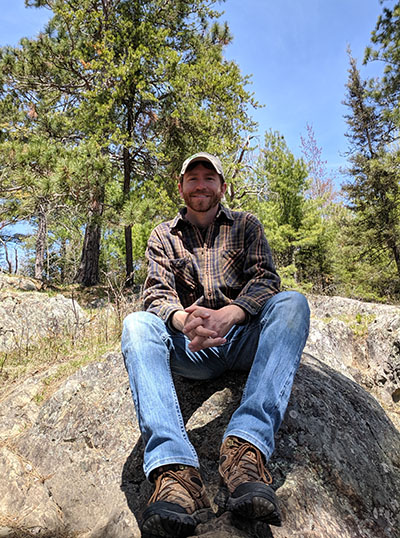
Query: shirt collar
{"points": [[180, 220]]}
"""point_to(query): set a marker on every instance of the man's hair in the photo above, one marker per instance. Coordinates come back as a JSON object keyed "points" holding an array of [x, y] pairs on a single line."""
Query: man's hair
{"points": [[204, 163]]}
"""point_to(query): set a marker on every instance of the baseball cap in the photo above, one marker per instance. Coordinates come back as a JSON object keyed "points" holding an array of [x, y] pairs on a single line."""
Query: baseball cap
{"points": [[204, 156]]}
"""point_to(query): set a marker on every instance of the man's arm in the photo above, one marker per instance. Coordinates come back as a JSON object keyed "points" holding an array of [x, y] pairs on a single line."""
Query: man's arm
{"points": [[259, 272], [159, 295]]}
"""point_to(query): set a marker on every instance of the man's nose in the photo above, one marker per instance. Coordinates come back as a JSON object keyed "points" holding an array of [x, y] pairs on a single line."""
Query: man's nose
{"points": [[201, 183]]}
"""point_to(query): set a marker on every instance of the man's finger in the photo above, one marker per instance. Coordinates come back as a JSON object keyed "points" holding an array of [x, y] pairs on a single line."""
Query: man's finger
{"points": [[192, 324], [208, 333], [200, 332], [197, 311], [197, 324], [200, 343]]}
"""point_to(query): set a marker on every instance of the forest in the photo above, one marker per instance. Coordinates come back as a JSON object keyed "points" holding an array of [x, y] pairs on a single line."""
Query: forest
{"points": [[99, 111]]}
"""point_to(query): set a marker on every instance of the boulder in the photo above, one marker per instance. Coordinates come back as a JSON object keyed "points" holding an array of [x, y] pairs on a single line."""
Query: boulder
{"points": [[362, 341], [72, 466], [19, 282], [27, 316]]}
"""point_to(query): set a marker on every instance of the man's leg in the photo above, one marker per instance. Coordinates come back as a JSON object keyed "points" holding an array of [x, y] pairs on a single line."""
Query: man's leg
{"points": [[179, 501], [271, 346], [146, 346]]}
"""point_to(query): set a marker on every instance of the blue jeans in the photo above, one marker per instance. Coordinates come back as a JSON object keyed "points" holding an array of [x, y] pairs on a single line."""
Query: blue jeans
{"points": [[269, 346]]}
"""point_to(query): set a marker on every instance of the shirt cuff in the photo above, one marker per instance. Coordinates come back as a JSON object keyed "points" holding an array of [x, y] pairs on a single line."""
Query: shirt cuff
{"points": [[250, 306]]}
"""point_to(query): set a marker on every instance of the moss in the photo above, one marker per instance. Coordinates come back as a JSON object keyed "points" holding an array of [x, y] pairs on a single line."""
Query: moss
{"points": [[358, 322]]}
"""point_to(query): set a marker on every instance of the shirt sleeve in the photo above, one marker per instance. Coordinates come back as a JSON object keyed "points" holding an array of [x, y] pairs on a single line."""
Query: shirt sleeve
{"points": [[159, 295], [259, 270]]}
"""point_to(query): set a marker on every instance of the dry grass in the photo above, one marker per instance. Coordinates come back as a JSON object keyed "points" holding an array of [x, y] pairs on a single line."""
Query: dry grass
{"points": [[72, 348]]}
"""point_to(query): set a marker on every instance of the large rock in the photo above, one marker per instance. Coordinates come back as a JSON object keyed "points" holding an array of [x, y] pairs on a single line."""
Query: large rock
{"points": [[362, 341], [27, 316], [73, 465], [19, 282]]}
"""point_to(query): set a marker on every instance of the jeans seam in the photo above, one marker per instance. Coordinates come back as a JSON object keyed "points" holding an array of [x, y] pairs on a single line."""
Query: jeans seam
{"points": [[178, 411], [289, 377]]}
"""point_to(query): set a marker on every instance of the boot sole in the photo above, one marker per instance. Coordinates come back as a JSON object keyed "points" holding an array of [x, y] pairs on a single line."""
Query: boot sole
{"points": [[252, 527], [167, 520], [250, 501]]}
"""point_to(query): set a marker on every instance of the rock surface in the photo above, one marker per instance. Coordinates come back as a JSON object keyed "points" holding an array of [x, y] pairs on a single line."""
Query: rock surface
{"points": [[19, 282], [26, 315], [72, 466], [362, 341]]}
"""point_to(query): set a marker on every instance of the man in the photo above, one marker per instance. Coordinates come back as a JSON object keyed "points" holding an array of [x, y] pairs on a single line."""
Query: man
{"points": [[212, 304]]}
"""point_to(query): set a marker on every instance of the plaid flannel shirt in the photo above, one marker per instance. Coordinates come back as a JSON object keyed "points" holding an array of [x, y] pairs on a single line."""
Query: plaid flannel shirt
{"points": [[231, 263]]}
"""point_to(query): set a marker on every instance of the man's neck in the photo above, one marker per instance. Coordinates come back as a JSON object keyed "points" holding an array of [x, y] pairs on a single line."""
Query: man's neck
{"points": [[201, 219]]}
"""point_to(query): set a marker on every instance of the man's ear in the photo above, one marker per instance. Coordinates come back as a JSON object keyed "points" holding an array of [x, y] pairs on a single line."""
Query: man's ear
{"points": [[180, 188], [223, 188]]}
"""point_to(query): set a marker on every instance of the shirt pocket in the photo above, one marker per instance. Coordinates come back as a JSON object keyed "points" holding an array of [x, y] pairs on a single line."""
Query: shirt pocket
{"points": [[232, 268], [183, 270]]}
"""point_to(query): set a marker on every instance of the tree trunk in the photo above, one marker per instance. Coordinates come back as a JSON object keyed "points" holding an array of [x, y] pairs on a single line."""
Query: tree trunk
{"points": [[128, 256], [6, 254], [128, 229], [41, 243], [88, 272], [62, 263], [127, 158], [396, 254]]}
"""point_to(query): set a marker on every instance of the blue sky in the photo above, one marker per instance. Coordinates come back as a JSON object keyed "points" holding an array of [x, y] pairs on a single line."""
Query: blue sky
{"points": [[295, 51]]}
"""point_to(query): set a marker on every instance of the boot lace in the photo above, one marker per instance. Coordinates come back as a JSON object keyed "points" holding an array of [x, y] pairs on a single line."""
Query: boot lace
{"points": [[175, 476], [254, 469]]}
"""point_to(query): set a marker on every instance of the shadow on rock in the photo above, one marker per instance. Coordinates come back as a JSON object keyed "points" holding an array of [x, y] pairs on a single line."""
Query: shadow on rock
{"points": [[206, 409], [336, 463]]}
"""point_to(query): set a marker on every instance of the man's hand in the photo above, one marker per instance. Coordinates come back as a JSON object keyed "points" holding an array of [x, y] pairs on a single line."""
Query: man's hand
{"points": [[203, 337], [207, 328]]}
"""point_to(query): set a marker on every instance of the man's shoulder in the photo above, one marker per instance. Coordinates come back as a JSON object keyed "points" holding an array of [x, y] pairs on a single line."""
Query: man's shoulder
{"points": [[164, 227], [242, 216], [167, 230]]}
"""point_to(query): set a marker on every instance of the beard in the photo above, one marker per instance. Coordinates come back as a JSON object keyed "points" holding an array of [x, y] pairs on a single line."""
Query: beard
{"points": [[201, 205]]}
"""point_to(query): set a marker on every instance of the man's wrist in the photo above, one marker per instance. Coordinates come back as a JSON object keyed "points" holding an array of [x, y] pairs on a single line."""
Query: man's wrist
{"points": [[178, 319], [238, 315]]}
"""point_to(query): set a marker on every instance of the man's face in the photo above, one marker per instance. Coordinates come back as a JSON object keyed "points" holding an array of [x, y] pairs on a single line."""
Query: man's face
{"points": [[201, 189]]}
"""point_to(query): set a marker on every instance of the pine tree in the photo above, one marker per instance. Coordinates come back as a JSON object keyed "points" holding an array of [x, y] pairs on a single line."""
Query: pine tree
{"points": [[144, 83], [290, 219], [374, 194], [385, 50]]}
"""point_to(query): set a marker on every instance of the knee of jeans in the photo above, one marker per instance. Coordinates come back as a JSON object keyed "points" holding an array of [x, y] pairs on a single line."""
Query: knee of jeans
{"points": [[298, 303], [292, 307], [298, 310], [138, 323]]}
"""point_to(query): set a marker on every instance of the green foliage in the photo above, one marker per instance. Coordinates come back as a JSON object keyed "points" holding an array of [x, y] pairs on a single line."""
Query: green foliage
{"points": [[374, 193], [385, 50], [123, 91], [297, 226]]}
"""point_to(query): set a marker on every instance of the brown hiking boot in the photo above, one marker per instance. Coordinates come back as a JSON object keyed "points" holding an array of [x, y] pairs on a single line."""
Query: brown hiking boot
{"points": [[179, 503], [245, 487]]}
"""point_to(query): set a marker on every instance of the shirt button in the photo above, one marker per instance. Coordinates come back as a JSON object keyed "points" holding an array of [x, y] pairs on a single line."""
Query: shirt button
{"points": [[209, 293]]}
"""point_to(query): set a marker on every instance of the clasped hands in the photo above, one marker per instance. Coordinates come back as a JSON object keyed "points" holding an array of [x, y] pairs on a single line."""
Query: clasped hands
{"points": [[206, 327]]}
